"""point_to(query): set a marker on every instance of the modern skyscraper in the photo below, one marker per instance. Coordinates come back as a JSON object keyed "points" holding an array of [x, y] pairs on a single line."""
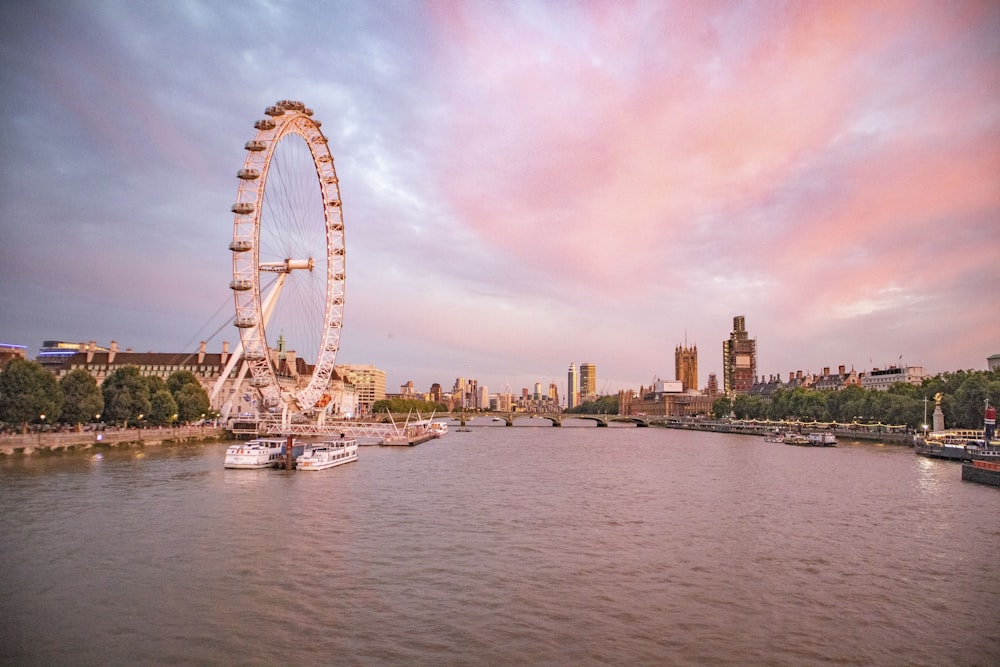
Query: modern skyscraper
{"points": [[739, 359], [686, 366], [588, 382], [573, 388]]}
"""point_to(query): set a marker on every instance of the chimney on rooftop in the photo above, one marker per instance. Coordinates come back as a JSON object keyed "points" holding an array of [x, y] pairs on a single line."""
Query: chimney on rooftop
{"points": [[90, 351], [112, 352], [225, 353], [201, 353], [842, 369]]}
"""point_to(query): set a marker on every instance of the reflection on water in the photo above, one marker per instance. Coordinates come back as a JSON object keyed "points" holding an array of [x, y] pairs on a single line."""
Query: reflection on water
{"points": [[503, 545]]}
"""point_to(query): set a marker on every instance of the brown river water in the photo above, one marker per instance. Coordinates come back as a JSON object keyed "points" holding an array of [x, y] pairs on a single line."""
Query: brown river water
{"points": [[503, 546]]}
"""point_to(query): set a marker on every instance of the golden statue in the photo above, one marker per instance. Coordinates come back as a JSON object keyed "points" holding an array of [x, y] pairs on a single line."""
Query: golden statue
{"points": [[937, 398]]}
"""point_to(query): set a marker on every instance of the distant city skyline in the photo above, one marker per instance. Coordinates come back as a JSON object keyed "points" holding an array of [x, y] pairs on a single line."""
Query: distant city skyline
{"points": [[523, 184]]}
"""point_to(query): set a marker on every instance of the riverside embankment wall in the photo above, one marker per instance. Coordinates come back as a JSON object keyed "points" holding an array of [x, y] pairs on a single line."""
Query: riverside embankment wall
{"points": [[32, 443], [868, 434]]}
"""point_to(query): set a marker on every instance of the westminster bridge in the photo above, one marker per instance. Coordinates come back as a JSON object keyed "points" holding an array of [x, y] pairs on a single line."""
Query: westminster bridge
{"points": [[555, 419]]}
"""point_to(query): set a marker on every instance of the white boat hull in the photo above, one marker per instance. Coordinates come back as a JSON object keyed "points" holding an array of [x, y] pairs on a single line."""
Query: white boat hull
{"points": [[328, 455], [247, 463], [256, 454]]}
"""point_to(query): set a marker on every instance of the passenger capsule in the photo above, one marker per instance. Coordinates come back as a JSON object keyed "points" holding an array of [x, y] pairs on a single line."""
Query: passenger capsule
{"points": [[243, 208], [274, 111], [264, 124], [248, 174], [241, 285], [245, 322], [240, 245], [255, 145]]}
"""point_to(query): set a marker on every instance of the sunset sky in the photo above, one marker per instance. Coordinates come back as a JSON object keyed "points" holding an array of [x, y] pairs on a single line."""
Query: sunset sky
{"points": [[525, 184]]}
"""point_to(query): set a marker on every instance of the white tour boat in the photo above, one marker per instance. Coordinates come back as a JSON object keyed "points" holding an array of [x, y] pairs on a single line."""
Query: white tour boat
{"points": [[327, 454], [259, 453], [439, 427]]}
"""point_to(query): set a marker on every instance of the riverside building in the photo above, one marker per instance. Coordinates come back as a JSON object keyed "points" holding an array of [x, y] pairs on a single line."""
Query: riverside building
{"points": [[739, 359], [368, 382], [573, 387], [664, 399], [234, 395], [686, 366], [881, 380], [588, 382]]}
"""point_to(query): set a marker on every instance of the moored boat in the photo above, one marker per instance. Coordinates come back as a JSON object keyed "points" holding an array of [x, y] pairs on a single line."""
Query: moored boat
{"points": [[774, 437], [822, 439], [327, 454], [412, 433], [982, 472], [440, 428], [259, 453], [796, 439], [951, 445]]}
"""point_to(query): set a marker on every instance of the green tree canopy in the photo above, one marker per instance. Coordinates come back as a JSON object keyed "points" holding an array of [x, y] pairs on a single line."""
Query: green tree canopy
{"points": [[126, 394], [155, 384], [178, 379], [399, 406], [162, 408], [28, 391], [82, 400], [964, 396], [603, 405], [721, 407], [190, 397], [192, 402]]}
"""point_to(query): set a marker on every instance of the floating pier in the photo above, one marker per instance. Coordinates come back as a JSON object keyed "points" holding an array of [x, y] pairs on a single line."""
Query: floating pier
{"points": [[982, 472]]}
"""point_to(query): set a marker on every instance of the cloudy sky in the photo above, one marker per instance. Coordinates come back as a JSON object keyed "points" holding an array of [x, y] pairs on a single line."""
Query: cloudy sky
{"points": [[525, 184]]}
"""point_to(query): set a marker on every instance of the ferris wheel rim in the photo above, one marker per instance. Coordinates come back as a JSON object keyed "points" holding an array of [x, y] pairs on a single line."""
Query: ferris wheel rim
{"points": [[284, 119]]}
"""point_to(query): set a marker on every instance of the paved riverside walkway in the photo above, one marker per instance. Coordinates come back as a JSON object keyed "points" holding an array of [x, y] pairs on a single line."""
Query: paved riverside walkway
{"points": [[31, 443]]}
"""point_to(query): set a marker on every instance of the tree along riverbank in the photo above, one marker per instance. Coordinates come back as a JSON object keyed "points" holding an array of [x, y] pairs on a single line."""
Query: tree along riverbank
{"points": [[32, 443]]}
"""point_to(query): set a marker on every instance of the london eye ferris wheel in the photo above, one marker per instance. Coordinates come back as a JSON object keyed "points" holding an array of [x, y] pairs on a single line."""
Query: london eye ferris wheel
{"points": [[288, 260]]}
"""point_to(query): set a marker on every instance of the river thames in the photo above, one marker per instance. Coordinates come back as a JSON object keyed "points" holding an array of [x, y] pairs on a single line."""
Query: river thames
{"points": [[503, 546]]}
